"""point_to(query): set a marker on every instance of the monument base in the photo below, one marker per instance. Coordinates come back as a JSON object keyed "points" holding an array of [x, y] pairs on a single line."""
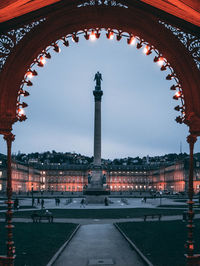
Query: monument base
{"points": [[96, 195], [92, 199]]}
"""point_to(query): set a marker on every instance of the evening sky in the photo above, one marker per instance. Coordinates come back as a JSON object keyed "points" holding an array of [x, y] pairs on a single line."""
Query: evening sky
{"points": [[137, 106]]}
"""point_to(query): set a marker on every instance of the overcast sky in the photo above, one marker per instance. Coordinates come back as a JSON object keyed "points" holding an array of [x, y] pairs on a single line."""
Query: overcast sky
{"points": [[137, 106]]}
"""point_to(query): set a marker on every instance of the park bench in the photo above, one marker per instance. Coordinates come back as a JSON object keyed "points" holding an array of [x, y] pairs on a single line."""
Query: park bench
{"points": [[152, 216], [125, 201], [39, 216]]}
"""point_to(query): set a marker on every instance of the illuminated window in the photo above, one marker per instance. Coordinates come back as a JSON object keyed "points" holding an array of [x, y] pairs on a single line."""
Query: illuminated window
{"points": [[0, 173]]}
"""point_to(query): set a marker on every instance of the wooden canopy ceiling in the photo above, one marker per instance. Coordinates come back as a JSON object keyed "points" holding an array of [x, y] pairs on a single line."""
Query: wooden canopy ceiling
{"points": [[188, 10]]}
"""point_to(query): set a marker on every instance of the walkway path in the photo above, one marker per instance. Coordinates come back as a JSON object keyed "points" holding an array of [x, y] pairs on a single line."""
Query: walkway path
{"points": [[85, 221], [98, 244]]}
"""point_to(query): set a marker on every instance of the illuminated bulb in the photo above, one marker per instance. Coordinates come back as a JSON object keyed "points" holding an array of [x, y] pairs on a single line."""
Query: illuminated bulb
{"points": [[161, 61], [41, 61], [110, 35], [92, 36], [146, 49], [21, 111], [29, 74], [131, 40], [177, 95]]}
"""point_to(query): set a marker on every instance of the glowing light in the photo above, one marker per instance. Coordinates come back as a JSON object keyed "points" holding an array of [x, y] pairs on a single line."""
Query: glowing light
{"points": [[92, 36], [161, 61], [110, 35], [29, 74], [191, 246], [131, 40], [21, 111], [177, 95], [42, 61], [146, 49]]}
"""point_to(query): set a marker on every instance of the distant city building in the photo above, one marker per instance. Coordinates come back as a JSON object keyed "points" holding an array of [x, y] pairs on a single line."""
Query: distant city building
{"points": [[168, 176]]}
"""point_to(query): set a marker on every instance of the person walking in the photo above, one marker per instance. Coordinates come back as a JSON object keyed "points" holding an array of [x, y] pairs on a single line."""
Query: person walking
{"points": [[42, 203], [82, 203]]}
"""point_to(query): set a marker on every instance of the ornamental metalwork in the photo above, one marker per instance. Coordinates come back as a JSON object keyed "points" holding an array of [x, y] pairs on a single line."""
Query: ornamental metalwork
{"points": [[112, 3], [190, 41], [9, 40]]}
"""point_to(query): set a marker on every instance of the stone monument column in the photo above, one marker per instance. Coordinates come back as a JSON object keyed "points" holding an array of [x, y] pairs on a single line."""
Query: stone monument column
{"points": [[97, 171]]}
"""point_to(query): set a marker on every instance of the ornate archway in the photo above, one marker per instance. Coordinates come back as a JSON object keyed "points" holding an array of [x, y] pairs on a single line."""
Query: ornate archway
{"points": [[71, 19], [20, 47]]}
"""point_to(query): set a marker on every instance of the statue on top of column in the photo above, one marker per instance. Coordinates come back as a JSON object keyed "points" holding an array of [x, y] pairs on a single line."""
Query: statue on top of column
{"points": [[98, 78]]}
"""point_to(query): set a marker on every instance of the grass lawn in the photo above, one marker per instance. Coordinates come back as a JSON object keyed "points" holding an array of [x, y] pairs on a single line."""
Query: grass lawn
{"points": [[102, 213], [173, 206], [36, 243], [20, 207], [161, 242]]}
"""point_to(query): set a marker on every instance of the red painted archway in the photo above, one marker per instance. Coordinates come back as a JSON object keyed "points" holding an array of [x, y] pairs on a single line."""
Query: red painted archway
{"points": [[71, 19]]}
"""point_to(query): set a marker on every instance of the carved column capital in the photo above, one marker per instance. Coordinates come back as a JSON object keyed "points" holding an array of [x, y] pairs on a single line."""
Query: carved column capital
{"points": [[191, 139], [9, 137]]}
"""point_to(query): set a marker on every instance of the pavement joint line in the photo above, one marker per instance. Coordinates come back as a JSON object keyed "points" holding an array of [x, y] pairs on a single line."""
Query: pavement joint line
{"points": [[58, 253], [143, 257]]}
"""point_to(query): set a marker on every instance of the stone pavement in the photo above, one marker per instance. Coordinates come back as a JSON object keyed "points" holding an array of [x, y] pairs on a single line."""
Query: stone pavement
{"points": [[85, 221], [98, 244], [116, 203]]}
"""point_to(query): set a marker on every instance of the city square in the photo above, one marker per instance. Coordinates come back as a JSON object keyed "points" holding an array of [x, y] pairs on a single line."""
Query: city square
{"points": [[121, 184]]}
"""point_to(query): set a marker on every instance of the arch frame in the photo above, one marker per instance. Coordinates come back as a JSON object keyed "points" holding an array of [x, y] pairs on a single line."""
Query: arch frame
{"points": [[71, 18]]}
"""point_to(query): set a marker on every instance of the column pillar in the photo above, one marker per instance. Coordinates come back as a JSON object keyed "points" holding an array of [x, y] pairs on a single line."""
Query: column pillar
{"points": [[192, 260], [9, 138], [97, 127]]}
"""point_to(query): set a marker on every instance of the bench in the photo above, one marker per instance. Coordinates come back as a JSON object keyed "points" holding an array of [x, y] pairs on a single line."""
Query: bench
{"points": [[152, 216], [125, 201], [38, 217]]}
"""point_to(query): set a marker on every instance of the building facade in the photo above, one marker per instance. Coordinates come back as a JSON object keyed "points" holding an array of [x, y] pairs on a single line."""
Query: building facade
{"points": [[167, 177]]}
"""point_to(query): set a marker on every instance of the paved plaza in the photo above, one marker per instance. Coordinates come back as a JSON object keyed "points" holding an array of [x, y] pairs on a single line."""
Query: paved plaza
{"points": [[97, 241], [49, 203]]}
